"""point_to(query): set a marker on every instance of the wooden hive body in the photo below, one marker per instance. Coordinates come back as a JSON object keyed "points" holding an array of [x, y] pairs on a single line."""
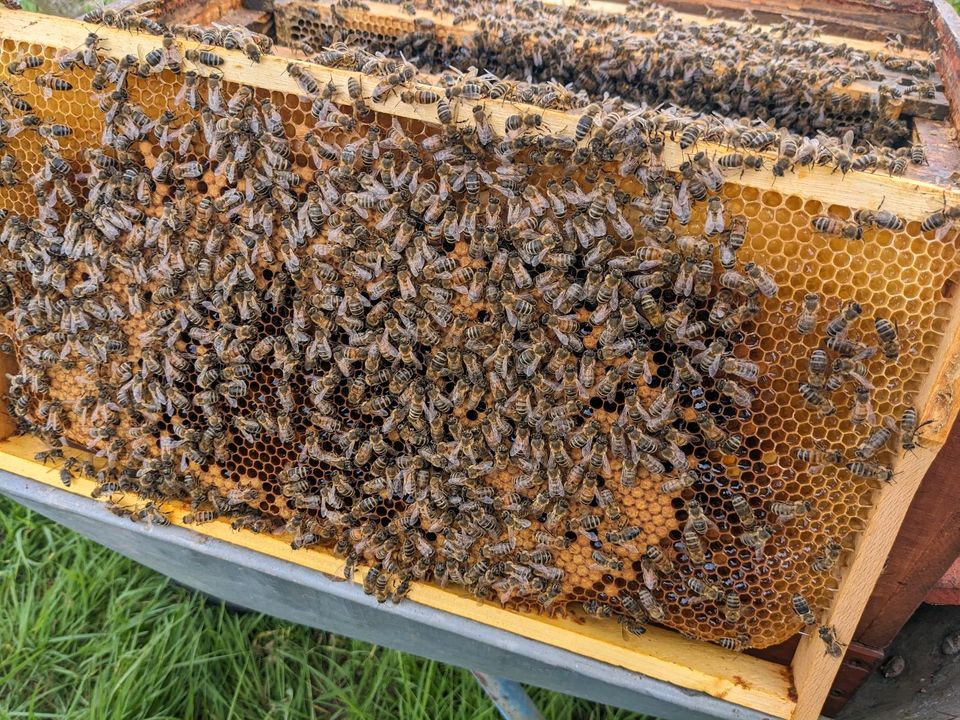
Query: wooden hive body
{"points": [[905, 275]]}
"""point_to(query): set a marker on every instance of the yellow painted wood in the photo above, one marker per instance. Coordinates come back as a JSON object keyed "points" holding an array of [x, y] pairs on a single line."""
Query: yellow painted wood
{"points": [[909, 198], [813, 669], [660, 654]]}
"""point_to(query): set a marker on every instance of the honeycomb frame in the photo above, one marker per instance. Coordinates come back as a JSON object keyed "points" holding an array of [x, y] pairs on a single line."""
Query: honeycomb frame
{"points": [[752, 198], [387, 27]]}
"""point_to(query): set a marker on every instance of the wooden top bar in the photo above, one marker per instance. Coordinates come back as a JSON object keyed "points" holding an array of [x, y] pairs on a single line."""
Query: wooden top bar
{"points": [[911, 199]]}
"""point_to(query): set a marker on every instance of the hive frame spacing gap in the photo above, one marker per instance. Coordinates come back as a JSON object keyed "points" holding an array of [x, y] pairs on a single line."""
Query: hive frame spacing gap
{"points": [[664, 655]]}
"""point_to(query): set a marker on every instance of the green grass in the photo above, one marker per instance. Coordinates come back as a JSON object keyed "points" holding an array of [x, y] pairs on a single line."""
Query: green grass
{"points": [[86, 633]]}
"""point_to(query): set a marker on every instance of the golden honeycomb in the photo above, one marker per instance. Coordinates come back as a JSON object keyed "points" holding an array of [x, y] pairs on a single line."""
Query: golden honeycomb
{"points": [[903, 276]]}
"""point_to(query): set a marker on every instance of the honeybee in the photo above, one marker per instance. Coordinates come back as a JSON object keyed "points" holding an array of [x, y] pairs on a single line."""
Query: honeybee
{"points": [[862, 407], [304, 79], [825, 561], [653, 608], [837, 326], [887, 333], [762, 279], [732, 609], [738, 394], [871, 471], [204, 57], [704, 591], [603, 562], [756, 539], [791, 510], [714, 222], [833, 648], [201, 517], [877, 440], [655, 564], [817, 368], [834, 226], [742, 507], [166, 56], [802, 609], [737, 644], [909, 428], [23, 62], [815, 397], [939, 220], [50, 83], [880, 218], [693, 547], [698, 520], [807, 319]]}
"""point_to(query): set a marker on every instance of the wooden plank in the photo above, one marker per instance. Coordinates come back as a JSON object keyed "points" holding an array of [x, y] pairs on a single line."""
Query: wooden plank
{"points": [[946, 24], [259, 21], [660, 654], [869, 20], [814, 670], [926, 546], [738, 6], [943, 152], [911, 199], [858, 663]]}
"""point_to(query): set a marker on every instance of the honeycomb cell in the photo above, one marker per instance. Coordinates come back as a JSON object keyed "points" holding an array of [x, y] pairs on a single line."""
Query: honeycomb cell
{"points": [[374, 461]]}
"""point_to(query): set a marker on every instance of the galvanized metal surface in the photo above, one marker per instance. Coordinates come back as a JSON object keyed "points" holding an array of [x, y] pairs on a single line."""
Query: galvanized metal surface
{"points": [[510, 698], [262, 583]]}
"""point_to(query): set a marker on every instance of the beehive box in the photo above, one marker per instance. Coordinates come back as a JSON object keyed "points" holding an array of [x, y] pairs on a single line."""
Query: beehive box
{"points": [[906, 275]]}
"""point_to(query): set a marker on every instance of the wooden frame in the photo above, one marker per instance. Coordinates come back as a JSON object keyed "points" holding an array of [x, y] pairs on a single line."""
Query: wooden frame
{"points": [[755, 683]]}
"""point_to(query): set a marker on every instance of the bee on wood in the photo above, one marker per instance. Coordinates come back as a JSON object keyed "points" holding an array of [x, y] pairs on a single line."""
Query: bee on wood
{"points": [[167, 56], [204, 57], [909, 428], [833, 647]]}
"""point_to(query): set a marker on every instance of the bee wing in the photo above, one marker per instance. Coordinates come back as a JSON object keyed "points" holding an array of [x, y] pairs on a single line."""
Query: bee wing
{"points": [[647, 372], [649, 572], [710, 224], [715, 365]]}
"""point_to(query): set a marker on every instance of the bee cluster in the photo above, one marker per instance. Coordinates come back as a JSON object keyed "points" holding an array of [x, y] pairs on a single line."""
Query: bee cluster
{"points": [[781, 76], [537, 365]]}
